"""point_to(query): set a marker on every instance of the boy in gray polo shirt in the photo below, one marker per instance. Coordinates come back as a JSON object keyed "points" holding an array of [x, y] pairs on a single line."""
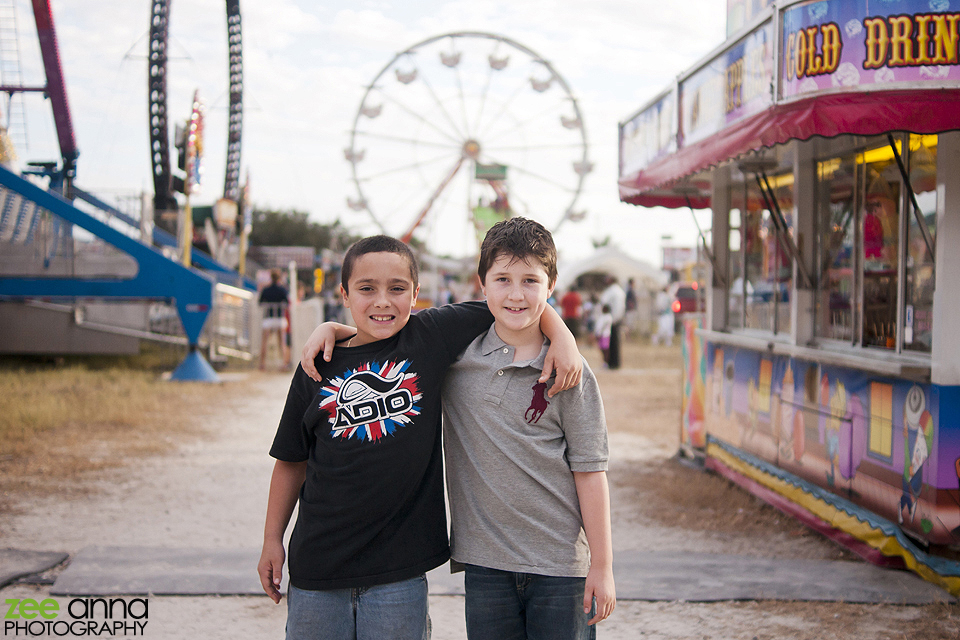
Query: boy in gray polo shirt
{"points": [[526, 475]]}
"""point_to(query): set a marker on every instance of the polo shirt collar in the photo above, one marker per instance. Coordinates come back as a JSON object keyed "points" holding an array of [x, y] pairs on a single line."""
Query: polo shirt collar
{"points": [[492, 343]]}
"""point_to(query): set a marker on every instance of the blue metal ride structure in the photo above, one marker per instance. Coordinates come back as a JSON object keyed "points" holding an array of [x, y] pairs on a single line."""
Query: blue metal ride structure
{"points": [[157, 278]]}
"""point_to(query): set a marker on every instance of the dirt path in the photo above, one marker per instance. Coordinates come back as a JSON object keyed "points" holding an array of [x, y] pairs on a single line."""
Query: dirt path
{"points": [[211, 492]]}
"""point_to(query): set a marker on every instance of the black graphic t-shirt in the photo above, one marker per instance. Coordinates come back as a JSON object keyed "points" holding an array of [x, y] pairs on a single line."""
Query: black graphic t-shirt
{"points": [[371, 510]]}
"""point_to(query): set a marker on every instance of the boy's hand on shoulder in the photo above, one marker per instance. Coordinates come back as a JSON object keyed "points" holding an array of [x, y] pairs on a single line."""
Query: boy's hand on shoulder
{"points": [[323, 338], [600, 585], [564, 358], [270, 569]]}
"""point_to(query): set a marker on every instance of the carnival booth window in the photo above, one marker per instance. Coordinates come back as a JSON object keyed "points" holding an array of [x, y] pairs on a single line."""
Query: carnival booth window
{"points": [[880, 226], [736, 296], [920, 266], [861, 200], [761, 222], [836, 212]]}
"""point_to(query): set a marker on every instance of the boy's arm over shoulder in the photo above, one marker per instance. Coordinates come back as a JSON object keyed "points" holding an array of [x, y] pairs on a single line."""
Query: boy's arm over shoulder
{"points": [[456, 325], [584, 424], [322, 340], [563, 356]]}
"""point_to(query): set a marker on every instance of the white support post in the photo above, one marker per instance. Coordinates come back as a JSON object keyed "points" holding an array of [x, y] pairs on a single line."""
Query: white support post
{"points": [[720, 240], [945, 350], [802, 301]]}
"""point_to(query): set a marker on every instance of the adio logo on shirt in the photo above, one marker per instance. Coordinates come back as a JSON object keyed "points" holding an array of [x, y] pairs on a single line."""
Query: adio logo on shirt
{"points": [[371, 401]]}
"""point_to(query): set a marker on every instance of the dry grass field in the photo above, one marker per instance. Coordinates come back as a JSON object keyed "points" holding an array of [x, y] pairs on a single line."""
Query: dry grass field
{"points": [[61, 418]]}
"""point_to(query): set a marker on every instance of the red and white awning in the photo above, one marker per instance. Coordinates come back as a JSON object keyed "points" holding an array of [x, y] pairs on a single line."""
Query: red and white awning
{"points": [[826, 80]]}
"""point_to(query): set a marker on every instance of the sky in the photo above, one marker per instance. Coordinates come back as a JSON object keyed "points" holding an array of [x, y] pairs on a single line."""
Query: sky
{"points": [[307, 66]]}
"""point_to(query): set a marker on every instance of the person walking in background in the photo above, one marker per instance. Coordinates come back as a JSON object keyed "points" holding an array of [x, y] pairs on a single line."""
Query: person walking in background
{"points": [[631, 315], [273, 305], [615, 298], [589, 315], [665, 321], [571, 310], [602, 331]]}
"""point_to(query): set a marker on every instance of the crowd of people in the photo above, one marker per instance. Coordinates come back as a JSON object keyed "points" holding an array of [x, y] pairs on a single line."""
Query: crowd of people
{"points": [[602, 318]]}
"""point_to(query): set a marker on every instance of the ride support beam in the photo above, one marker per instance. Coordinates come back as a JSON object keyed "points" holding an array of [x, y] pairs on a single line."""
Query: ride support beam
{"points": [[56, 88], [158, 278], [433, 198]]}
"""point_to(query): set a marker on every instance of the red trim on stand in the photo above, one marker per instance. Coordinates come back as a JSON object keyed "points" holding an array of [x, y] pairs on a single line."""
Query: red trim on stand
{"points": [[776, 500], [868, 113]]}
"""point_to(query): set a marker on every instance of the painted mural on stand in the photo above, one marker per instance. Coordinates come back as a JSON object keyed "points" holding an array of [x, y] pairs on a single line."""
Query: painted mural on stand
{"points": [[693, 399], [878, 442]]}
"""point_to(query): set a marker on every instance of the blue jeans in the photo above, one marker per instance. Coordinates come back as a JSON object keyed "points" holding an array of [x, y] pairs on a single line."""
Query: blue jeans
{"points": [[503, 605], [395, 610]]}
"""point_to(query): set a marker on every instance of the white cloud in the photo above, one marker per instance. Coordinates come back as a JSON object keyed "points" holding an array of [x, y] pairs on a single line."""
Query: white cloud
{"points": [[306, 66]]}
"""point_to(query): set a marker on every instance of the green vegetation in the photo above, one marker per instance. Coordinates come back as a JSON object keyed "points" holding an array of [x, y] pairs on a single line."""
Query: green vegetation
{"points": [[293, 228]]}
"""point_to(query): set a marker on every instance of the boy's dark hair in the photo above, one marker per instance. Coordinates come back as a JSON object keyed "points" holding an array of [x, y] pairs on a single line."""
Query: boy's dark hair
{"points": [[377, 244], [521, 239]]}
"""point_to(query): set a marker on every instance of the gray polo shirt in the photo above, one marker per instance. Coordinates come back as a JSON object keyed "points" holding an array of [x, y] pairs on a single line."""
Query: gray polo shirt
{"points": [[510, 457]]}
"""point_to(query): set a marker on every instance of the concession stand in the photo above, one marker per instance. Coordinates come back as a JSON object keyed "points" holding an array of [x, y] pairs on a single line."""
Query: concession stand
{"points": [[825, 377]]}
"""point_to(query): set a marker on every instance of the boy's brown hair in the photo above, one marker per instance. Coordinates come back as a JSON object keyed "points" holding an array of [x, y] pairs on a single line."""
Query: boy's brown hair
{"points": [[521, 239], [377, 244]]}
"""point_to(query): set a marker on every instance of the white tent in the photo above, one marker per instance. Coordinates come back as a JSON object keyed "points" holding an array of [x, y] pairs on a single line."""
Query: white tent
{"points": [[648, 280], [616, 262]]}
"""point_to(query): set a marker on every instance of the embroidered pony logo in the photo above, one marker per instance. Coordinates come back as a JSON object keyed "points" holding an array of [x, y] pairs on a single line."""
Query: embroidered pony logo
{"points": [[538, 405]]}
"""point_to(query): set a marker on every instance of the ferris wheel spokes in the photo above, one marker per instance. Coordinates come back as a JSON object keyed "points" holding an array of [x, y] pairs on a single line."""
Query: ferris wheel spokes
{"points": [[422, 119], [503, 108], [433, 197], [486, 89], [522, 123], [423, 143], [527, 147], [438, 102], [444, 116], [463, 104], [400, 168], [550, 181]]}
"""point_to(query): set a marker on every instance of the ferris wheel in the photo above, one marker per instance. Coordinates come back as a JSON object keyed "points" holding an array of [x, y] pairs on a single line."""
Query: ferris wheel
{"points": [[462, 130]]}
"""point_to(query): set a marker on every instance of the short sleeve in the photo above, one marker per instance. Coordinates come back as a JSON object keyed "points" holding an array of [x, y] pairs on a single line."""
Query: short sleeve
{"points": [[292, 441], [456, 325], [584, 425]]}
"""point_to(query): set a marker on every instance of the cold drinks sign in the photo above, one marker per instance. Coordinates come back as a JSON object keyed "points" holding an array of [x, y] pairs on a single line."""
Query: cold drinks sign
{"points": [[801, 51], [839, 44]]}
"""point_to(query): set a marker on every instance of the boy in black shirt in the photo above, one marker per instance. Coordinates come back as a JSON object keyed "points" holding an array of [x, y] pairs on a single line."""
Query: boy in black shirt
{"points": [[362, 451]]}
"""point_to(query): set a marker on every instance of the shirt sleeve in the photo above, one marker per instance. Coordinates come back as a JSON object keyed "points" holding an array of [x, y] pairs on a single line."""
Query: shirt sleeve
{"points": [[584, 425], [292, 442], [456, 325]]}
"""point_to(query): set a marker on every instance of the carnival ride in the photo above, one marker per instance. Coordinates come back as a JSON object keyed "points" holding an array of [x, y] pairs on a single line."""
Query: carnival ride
{"points": [[464, 129], [47, 260]]}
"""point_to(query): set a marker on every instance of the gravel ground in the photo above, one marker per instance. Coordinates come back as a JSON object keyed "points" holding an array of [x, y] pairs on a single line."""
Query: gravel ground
{"points": [[210, 491]]}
